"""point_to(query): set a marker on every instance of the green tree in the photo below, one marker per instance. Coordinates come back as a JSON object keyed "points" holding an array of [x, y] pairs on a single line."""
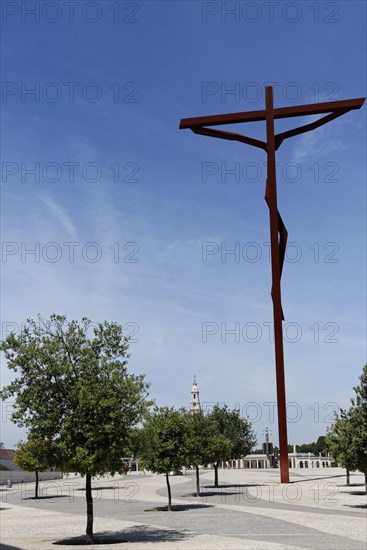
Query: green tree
{"points": [[135, 443], [165, 449], [2, 467], [315, 448], [339, 440], [237, 430], [33, 455], [205, 444], [73, 388], [321, 446], [347, 437], [358, 417], [360, 400]]}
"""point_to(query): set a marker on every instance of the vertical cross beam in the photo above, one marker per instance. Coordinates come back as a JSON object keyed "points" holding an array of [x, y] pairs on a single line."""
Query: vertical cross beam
{"points": [[277, 258]]}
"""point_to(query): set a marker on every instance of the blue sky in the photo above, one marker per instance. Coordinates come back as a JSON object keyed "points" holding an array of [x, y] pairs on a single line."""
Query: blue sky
{"points": [[153, 212]]}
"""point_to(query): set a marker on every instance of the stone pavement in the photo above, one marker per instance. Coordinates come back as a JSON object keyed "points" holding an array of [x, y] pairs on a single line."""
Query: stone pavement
{"points": [[250, 510]]}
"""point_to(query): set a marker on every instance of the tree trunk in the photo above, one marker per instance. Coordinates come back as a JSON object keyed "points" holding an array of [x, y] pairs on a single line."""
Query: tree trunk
{"points": [[169, 494], [216, 474], [89, 499], [36, 489], [348, 477], [197, 481]]}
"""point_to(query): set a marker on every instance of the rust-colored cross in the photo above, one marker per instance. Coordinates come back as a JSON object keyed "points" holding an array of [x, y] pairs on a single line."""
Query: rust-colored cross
{"points": [[278, 232]]}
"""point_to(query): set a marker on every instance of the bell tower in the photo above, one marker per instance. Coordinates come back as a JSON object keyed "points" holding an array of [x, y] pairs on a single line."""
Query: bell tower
{"points": [[195, 400]]}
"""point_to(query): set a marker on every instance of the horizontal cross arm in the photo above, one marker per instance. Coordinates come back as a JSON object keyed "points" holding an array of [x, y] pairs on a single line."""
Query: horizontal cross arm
{"points": [[230, 136], [279, 138], [343, 105], [281, 112]]}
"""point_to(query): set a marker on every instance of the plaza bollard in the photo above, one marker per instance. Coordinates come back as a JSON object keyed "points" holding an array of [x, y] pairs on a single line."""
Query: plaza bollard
{"points": [[9, 484]]}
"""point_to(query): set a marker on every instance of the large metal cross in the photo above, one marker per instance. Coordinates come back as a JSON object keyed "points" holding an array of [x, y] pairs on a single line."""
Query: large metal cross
{"points": [[278, 232]]}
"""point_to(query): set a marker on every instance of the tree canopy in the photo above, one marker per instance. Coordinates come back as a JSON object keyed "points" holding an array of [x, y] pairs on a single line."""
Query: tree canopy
{"points": [[33, 455], [205, 443], [234, 428], [347, 437], [358, 417], [339, 438], [320, 446], [73, 388], [166, 443]]}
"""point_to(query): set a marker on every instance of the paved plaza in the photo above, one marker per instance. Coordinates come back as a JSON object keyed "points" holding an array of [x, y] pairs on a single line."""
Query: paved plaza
{"points": [[250, 510]]}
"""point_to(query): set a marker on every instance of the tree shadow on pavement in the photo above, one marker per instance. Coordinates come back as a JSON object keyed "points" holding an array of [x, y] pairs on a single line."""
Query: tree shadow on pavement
{"points": [[46, 497], [359, 494], [179, 507], [110, 487], [222, 490], [356, 493], [225, 485], [306, 478], [141, 533], [356, 505]]}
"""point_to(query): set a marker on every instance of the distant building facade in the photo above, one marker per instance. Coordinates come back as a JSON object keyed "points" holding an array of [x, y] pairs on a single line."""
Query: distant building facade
{"points": [[16, 475], [267, 459], [296, 460], [6, 459]]}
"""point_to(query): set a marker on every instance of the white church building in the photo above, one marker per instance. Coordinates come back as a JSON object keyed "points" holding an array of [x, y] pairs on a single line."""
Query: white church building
{"points": [[257, 461]]}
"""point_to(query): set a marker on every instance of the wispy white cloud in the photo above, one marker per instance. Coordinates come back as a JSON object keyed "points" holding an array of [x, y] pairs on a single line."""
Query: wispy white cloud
{"points": [[61, 215], [322, 139]]}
